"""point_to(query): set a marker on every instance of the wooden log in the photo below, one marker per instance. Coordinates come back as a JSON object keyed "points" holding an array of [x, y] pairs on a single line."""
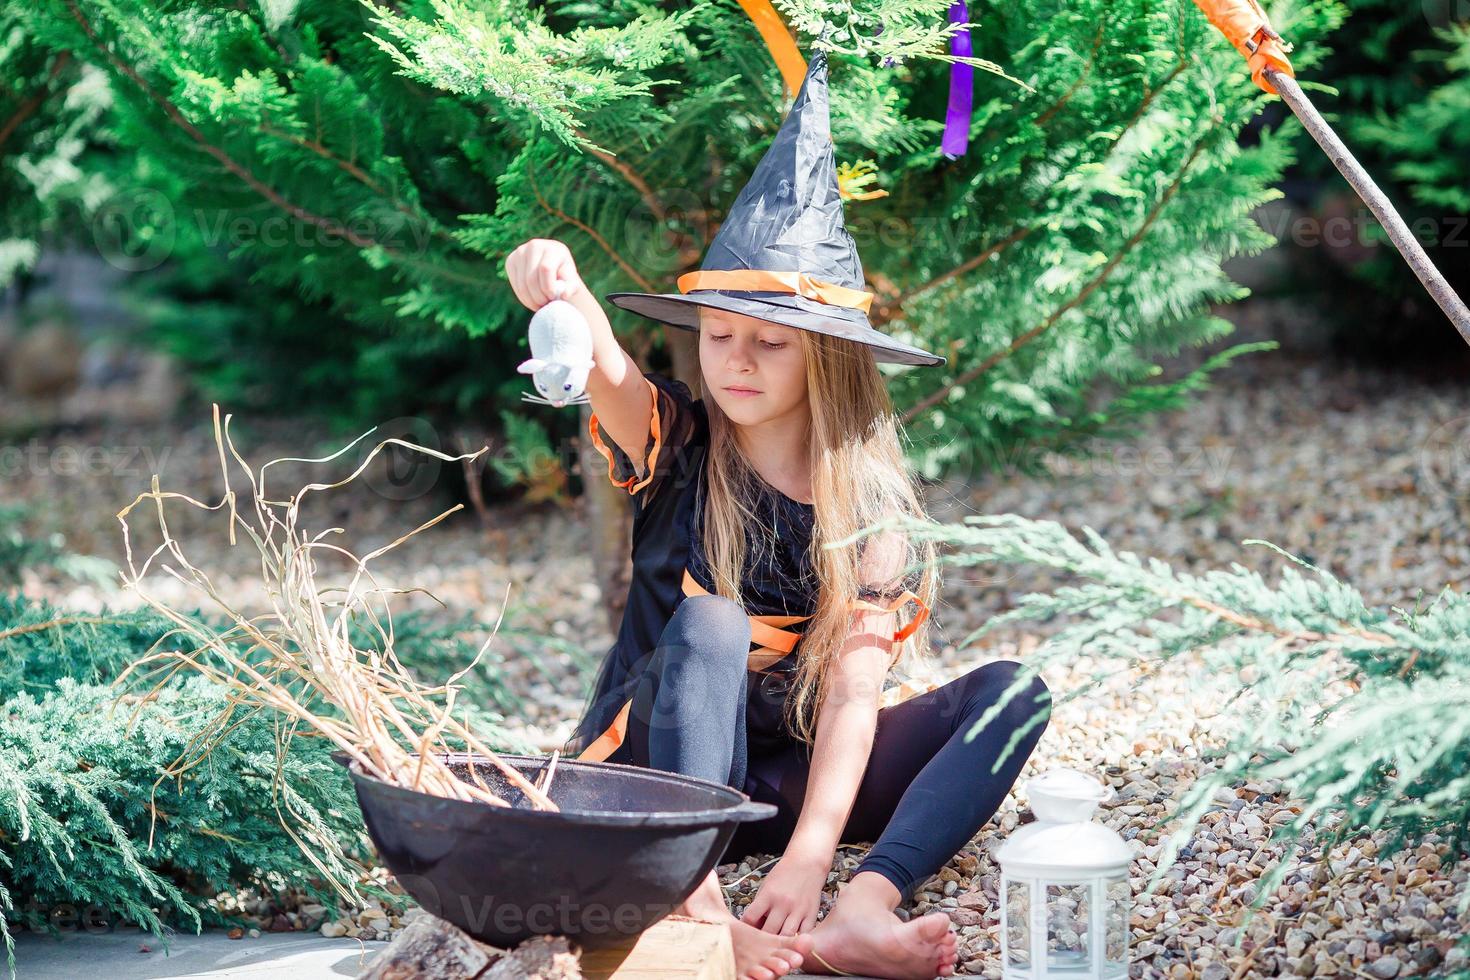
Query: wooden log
{"points": [[540, 958], [674, 948], [432, 949]]}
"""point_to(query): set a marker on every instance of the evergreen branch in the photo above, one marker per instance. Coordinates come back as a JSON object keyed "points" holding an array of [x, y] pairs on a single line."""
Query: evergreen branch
{"points": [[1259, 625], [688, 254], [53, 623], [591, 233], [1144, 104], [257, 17], [1360, 712], [327, 225], [965, 377], [1082, 76], [362, 177], [891, 309], [1134, 403], [29, 106], [233, 166]]}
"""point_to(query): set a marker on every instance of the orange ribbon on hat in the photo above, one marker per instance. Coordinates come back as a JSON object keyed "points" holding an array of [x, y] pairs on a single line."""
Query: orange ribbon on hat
{"points": [[1246, 26], [769, 280]]}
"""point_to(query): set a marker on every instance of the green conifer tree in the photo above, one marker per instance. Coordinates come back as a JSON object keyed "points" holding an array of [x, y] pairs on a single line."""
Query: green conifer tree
{"points": [[381, 159]]}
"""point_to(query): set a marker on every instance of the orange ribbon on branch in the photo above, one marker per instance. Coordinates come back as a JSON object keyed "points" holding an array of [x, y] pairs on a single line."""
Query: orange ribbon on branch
{"points": [[1246, 26], [778, 41], [851, 179]]}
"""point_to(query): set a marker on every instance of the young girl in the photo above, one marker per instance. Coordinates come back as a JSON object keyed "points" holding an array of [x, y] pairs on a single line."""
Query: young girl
{"points": [[750, 653], [773, 479]]}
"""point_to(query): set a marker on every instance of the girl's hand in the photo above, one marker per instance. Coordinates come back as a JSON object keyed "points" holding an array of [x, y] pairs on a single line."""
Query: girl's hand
{"points": [[538, 268], [788, 900]]}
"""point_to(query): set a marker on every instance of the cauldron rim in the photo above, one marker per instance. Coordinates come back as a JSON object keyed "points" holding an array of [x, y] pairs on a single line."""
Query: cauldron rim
{"points": [[741, 809]]}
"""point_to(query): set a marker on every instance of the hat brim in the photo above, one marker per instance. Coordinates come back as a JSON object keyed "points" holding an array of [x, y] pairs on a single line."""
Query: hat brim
{"points": [[682, 310]]}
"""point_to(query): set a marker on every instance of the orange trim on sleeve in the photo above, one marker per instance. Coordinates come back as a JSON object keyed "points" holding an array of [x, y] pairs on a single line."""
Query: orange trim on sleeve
{"points": [[908, 596], [655, 427]]}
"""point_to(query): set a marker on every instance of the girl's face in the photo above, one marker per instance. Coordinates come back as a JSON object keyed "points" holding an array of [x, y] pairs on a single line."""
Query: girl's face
{"points": [[745, 353]]}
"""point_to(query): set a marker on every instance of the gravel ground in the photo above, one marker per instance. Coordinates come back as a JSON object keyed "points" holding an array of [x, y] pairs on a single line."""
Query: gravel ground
{"points": [[1346, 466]]}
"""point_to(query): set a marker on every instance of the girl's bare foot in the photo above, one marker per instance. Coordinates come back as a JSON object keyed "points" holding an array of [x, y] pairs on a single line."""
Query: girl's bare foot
{"points": [[862, 935], [884, 946], [758, 955], [766, 955]]}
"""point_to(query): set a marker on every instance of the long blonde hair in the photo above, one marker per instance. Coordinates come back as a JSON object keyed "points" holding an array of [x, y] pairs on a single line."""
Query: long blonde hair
{"points": [[859, 478]]}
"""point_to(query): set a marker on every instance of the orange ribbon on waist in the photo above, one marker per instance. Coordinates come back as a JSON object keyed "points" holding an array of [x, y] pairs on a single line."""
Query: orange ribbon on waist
{"points": [[775, 640], [769, 631]]}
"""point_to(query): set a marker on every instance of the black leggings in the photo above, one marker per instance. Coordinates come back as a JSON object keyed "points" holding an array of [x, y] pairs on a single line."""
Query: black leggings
{"points": [[925, 793]]}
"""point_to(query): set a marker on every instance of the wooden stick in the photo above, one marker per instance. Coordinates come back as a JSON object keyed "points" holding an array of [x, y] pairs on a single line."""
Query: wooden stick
{"points": [[1398, 231]]}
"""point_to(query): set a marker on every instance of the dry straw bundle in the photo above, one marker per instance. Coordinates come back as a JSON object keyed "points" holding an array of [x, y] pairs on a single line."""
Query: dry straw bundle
{"points": [[299, 659]]}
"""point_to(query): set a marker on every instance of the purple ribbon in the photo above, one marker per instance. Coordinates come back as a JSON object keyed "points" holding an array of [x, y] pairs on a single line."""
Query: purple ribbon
{"points": [[961, 87]]}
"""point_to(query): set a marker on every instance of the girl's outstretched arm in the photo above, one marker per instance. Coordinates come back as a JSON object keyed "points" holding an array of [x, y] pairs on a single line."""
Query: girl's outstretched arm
{"points": [[846, 724], [541, 270], [616, 389]]}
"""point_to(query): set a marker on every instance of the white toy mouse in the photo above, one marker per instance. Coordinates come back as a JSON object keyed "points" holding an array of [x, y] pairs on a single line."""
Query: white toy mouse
{"points": [[561, 355]]}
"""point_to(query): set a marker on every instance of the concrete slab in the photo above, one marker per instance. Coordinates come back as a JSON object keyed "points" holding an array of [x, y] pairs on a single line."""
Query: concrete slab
{"points": [[126, 954], [119, 955]]}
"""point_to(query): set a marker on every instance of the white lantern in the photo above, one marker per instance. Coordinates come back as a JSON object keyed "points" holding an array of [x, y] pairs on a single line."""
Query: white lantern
{"points": [[1064, 887]]}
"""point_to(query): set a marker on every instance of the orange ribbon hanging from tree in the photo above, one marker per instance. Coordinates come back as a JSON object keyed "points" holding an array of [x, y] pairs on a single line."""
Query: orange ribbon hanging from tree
{"points": [[1246, 26], [852, 180], [778, 41]]}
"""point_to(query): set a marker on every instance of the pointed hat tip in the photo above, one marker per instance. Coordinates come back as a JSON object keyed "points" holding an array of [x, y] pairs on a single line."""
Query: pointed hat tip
{"points": [[816, 68]]}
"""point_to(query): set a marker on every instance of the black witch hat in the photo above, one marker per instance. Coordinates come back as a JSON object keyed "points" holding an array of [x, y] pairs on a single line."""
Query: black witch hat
{"points": [[783, 253]]}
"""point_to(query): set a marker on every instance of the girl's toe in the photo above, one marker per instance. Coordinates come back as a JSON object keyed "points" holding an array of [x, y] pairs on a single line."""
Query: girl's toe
{"points": [[790, 958]]}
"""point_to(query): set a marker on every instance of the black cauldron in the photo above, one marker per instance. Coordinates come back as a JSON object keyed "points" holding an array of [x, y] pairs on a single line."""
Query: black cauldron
{"points": [[629, 845]]}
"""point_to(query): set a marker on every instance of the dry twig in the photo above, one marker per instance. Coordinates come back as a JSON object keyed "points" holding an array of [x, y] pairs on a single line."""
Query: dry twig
{"points": [[300, 658]]}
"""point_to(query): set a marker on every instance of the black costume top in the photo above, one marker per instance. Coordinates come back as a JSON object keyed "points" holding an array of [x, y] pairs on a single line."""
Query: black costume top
{"points": [[778, 579]]}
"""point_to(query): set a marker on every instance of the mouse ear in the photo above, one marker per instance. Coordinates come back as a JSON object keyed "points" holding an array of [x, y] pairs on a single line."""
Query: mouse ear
{"points": [[530, 365], [591, 364]]}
